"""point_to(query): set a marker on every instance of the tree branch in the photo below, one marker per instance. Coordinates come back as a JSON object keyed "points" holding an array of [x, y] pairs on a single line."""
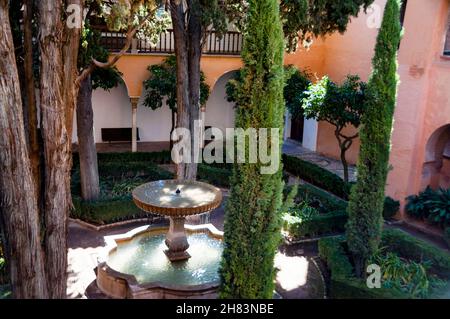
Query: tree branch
{"points": [[104, 65]]}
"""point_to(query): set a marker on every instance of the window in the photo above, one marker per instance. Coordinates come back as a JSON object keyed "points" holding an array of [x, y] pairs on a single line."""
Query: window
{"points": [[403, 11], [447, 39]]}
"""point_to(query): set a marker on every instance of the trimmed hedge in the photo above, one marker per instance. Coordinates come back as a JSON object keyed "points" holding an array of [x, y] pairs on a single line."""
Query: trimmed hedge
{"points": [[343, 283], [132, 169], [319, 198], [217, 176], [330, 182], [330, 223], [105, 211], [417, 250], [317, 176], [334, 215], [447, 236], [163, 157]]}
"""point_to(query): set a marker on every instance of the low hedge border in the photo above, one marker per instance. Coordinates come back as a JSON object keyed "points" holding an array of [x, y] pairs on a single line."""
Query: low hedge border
{"points": [[343, 283], [335, 217], [316, 175], [330, 182], [330, 223], [217, 176], [163, 157], [106, 211], [418, 250]]}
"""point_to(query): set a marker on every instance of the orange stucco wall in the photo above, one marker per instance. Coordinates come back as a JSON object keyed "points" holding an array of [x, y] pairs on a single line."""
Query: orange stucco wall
{"points": [[424, 93]]}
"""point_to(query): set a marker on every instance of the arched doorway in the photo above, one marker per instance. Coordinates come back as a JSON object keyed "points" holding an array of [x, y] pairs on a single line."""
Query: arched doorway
{"points": [[436, 168], [219, 112]]}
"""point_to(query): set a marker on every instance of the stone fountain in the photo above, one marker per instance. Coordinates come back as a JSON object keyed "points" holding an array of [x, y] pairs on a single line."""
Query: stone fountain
{"points": [[177, 200], [153, 261]]}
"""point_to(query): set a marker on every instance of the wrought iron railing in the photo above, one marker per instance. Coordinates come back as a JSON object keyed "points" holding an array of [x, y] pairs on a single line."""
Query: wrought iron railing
{"points": [[229, 44]]}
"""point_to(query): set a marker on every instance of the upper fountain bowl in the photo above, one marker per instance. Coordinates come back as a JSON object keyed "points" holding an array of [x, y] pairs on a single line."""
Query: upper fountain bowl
{"points": [[177, 198]]}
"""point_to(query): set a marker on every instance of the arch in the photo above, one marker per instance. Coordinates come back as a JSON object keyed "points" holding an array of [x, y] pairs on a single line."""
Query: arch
{"points": [[219, 112], [112, 109], [436, 167]]}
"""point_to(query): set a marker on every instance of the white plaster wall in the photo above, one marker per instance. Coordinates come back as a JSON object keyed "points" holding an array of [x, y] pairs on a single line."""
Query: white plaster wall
{"points": [[310, 129], [219, 112], [112, 109]]}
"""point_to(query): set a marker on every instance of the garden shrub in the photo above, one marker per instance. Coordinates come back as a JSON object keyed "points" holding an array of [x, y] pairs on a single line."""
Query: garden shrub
{"points": [[343, 282], [163, 157], [405, 275], [332, 253], [447, 236], [105, 211], [215, 175], [132, 169], [431, 205], [417, 250], [391, 207], [317, 176], [316, 225]]}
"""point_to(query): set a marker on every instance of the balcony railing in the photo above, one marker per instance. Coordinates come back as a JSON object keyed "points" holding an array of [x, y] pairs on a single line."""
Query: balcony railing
{"points": [[229, 44]]}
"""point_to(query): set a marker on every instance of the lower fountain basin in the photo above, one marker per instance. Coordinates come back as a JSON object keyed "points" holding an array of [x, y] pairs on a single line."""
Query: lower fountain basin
{"points": [[136, 266]]}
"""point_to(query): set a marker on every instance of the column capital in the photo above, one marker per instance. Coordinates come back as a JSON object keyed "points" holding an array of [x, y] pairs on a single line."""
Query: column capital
{"points": [[134, 101]]}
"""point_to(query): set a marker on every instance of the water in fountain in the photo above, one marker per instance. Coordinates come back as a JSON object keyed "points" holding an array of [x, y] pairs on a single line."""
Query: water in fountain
{"points": [[144, 258]]}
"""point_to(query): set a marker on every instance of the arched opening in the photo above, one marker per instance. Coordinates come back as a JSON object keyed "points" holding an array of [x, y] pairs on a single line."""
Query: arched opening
{"points": [[219, 112], [112, 109], [436, 168]]}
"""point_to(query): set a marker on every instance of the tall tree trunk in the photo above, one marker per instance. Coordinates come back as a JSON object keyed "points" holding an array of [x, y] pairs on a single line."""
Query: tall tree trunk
{"points": [[56, 145], [18, 203], [181, 53], [188, 54], [33, 140], [70, 57], [90, 188], [194, 56], [344, 163]]}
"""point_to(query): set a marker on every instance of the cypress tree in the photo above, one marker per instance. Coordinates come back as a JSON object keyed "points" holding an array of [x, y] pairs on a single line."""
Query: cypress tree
{"points": [[252, 222], [366, 200]]}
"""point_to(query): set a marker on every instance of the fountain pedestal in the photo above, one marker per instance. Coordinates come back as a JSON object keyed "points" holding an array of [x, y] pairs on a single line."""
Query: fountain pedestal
{"points": [[176, 240], [177, 200]]}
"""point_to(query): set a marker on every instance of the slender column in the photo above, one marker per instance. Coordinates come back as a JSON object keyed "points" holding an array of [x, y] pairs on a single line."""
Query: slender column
{"points": [[134, 104]]}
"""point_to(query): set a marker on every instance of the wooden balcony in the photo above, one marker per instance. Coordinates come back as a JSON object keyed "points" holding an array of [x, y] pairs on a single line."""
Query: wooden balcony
{"points": [[229, 44]]}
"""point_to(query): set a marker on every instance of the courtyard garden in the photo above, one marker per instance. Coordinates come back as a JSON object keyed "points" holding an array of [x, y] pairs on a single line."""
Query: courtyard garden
{"points": [[80, 223]]}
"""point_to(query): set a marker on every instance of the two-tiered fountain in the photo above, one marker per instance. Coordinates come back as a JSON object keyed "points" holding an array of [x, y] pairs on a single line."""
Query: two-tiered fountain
{"points": [[155, 262]]}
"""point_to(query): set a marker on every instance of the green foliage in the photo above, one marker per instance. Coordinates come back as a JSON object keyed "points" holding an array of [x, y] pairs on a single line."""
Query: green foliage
{"points": [[317, 176], [432, 205], [391, 207], [339, 105], [404, 275], [105, 211], [302, 224], [447, 236], [333, 254], [402, 264], [319, 198], [90, 47], [297, 84], [417, 250], [162, 85], [163, 157], [253, 214], [214, 175], [141, 14], [303, 19], [367, 197]]}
